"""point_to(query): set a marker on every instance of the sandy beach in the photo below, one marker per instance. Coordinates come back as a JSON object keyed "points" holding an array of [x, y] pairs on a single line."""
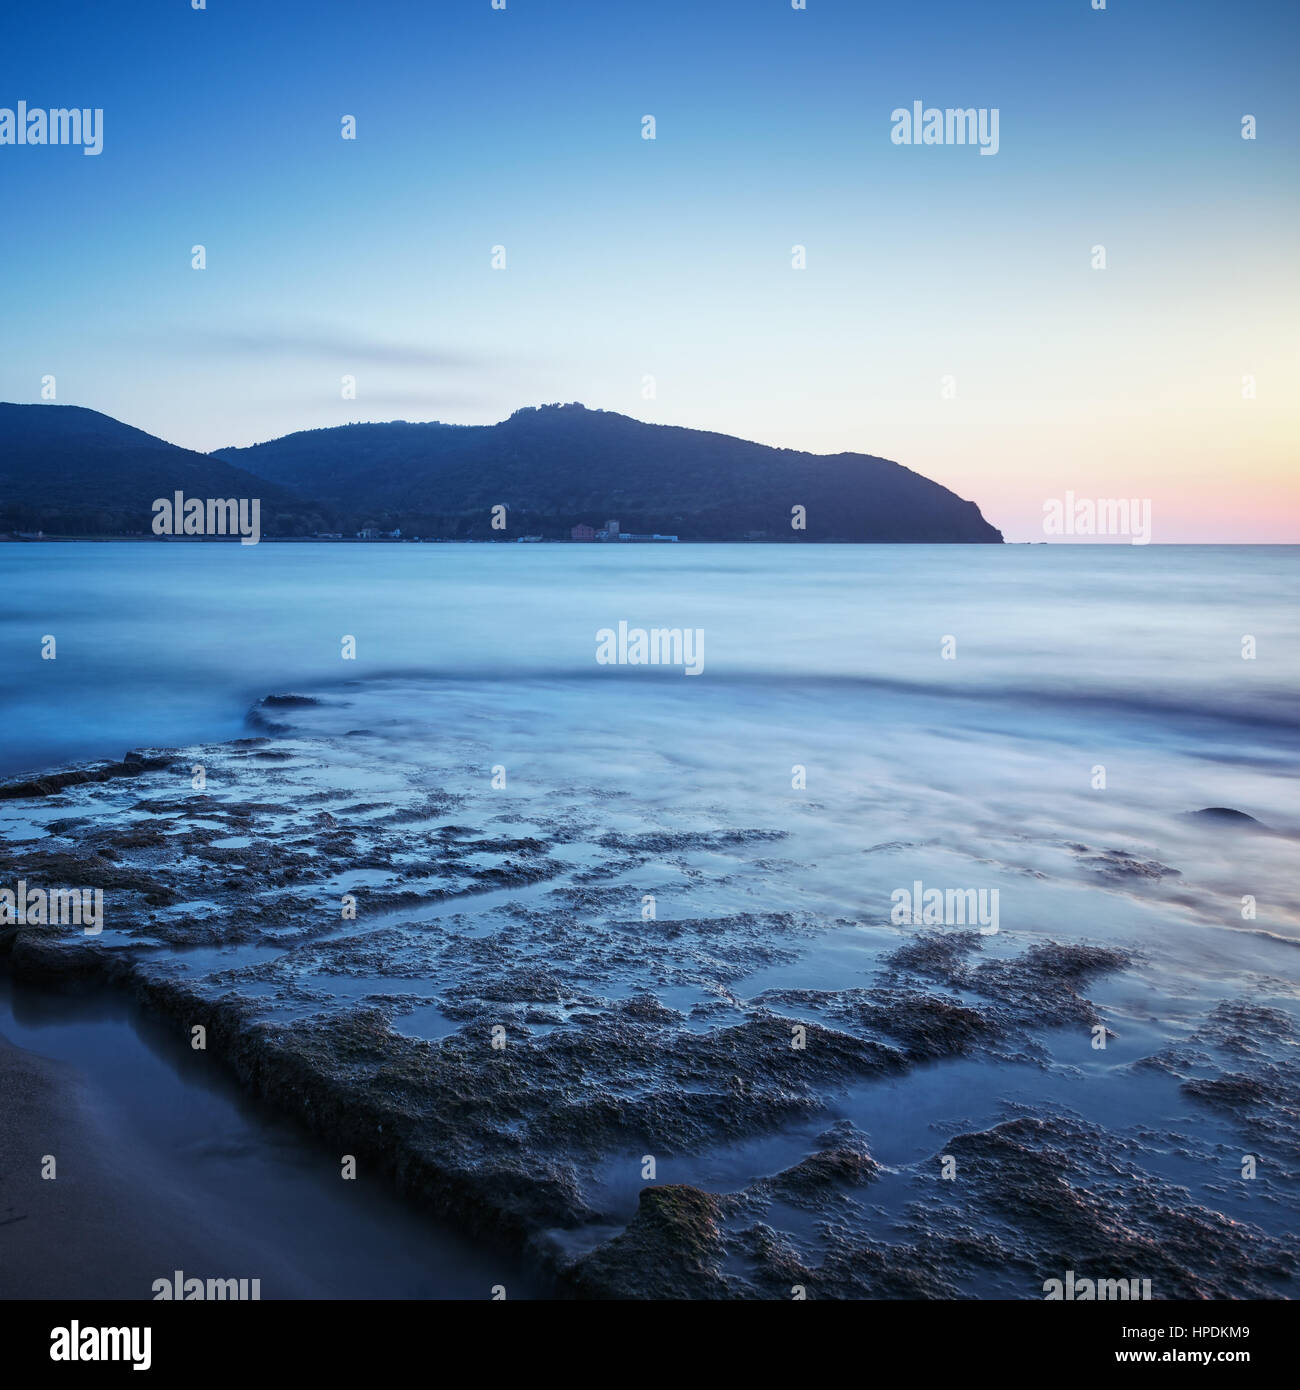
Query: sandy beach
{"points": [[112, 1221]]}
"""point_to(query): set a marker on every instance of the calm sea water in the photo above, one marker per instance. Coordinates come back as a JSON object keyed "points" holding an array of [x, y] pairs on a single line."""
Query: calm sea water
{"points": [[171, 643]]}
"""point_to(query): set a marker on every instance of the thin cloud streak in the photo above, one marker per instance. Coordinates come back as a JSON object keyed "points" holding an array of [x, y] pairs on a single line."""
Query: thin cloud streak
{"points": [[333, 345]]}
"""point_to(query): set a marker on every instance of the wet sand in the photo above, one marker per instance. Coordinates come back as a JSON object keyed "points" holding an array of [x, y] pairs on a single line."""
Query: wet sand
{"points": [[111, 1221], [163, 1164]]}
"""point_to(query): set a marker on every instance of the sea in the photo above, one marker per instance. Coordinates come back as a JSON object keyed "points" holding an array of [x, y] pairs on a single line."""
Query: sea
{"points": [[1041, 724]]}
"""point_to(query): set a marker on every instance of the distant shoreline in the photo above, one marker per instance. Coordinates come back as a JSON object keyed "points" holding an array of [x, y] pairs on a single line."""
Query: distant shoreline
{"points": [[1108, 544], [467, 540]]}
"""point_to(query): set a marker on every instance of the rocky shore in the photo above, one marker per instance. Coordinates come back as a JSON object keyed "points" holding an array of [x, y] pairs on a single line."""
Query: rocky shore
{"points": [[480, 1001]]}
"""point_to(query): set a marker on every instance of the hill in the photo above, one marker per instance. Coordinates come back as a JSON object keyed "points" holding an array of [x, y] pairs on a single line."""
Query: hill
{"points": [[557, 465], [66, 470]]}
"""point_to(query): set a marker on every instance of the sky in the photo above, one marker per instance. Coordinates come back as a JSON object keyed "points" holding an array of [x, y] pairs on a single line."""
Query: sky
{"points": [[949, 314]]}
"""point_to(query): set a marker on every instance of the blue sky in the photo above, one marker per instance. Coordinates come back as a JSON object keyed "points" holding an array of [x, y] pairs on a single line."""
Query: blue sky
{"points": [[671, 258]]}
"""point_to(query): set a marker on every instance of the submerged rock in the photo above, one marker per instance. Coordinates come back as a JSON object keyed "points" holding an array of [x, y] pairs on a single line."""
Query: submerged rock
{"points": [[1225, 815]]}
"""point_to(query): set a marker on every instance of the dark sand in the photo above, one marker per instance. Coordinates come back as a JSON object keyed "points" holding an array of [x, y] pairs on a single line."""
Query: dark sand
{"points": [[111, 1222]]}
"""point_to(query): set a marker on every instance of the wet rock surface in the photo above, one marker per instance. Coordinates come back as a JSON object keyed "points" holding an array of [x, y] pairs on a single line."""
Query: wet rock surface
{"points": [[1225, 815], [1244, 1061], [490, 1003]]}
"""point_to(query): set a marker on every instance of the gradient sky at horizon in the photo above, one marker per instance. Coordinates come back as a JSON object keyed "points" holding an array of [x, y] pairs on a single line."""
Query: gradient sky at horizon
{"points": [[672, 257]]}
